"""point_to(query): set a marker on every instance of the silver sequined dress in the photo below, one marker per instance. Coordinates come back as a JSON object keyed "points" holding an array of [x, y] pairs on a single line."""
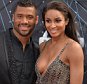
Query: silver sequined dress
{"points": [[57, 73]]}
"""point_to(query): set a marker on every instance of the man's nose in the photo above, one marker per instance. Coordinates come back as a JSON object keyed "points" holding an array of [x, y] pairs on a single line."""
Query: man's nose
{"points": [[24, 20]]}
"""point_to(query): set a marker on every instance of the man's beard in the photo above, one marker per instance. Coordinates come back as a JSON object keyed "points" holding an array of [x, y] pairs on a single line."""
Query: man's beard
{"points": [[25, 33]]}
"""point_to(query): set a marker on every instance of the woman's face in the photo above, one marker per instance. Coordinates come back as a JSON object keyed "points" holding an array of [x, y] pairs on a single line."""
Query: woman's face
{"points": [[55, 22]]}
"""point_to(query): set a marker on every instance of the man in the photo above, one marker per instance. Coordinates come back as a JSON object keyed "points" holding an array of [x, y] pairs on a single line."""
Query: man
{"points": [[18, 53]]}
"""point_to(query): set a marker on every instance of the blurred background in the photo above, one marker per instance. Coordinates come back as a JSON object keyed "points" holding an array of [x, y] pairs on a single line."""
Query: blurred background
{"points": [[78, 7]]}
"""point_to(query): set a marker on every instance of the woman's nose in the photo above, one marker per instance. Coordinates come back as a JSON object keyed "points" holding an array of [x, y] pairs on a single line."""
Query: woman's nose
{"points": [[53, 25]]}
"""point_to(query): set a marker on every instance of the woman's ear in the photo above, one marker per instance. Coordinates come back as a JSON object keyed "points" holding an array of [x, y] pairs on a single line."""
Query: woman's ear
{"points": [[67, 21]]}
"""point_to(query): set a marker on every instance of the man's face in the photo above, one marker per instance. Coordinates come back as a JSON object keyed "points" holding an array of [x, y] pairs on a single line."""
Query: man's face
{"points": [[24, 19]]}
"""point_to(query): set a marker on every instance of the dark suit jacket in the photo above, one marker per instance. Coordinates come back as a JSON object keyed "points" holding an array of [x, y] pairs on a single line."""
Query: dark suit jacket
{"points": [[4, 75]]}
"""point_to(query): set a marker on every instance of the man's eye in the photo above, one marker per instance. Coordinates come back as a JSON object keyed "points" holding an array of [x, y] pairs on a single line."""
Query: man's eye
{"points": [[19, 16], [29, 17]]}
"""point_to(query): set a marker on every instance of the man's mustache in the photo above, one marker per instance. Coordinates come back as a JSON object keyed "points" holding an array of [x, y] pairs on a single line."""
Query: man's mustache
{"points": [[25, 25]]}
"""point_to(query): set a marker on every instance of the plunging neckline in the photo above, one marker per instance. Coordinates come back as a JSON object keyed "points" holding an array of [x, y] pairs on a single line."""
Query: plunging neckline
{"points": [[48, 67], [52, 62]]}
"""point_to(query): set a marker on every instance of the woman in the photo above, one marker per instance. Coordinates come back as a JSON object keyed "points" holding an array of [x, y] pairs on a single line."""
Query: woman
{"points": [[61, 59]]}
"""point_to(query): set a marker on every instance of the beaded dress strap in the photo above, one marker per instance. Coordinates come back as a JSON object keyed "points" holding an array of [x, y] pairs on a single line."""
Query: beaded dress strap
{"points": [[64, 48]]}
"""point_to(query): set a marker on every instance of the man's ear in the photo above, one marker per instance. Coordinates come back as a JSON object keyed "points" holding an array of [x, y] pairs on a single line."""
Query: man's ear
{"points": [[37, 18], [12, 17]]}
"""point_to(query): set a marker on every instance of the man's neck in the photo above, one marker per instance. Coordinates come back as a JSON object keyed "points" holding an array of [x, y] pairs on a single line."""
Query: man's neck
{"points": [[23, 39]]}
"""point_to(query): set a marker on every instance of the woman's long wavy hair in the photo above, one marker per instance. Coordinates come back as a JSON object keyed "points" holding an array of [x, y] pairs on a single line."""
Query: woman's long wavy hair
{"points": [[70, 29]]}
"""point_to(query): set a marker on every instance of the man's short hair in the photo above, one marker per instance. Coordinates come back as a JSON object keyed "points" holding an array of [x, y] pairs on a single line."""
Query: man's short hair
{"points": [[23, 3]]}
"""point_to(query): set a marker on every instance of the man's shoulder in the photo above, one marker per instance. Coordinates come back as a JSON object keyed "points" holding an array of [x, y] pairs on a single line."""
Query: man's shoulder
{"points": [[6, 31], [35, 48], [4, 34], [1, 34], [34, 44]]}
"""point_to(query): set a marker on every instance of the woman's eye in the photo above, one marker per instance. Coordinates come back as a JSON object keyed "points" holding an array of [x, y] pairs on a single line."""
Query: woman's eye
{"points": [[48, 21], [58, 21]]}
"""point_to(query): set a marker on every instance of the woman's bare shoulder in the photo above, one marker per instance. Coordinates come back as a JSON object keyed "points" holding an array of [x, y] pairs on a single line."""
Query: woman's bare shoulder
{"points": [[42, 45], [75, 46], [75, 50]]}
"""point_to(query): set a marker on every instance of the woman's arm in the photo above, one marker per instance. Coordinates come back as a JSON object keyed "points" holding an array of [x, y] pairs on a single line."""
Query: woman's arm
{"points": [[42, 46], [76, 59]]}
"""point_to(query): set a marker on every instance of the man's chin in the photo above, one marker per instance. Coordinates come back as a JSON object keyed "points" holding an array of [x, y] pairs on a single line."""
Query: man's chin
{"points": [[25, 34]]}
